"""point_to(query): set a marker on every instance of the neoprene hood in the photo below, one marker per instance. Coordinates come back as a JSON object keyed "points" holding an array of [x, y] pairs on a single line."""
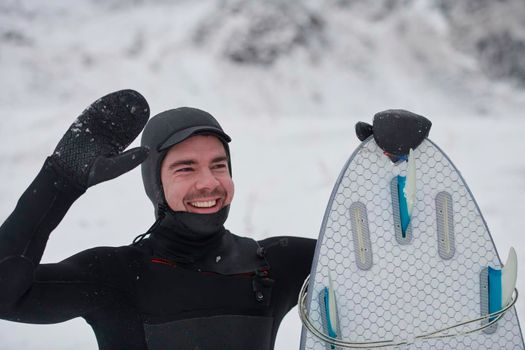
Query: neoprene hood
{"points": [[167, 129]]}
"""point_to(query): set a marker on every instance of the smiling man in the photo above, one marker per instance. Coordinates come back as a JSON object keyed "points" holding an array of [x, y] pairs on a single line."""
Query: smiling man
{"points": [[195, 176], [187, 283]]}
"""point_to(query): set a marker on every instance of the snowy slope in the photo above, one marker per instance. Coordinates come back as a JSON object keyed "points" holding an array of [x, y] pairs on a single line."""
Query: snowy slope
{"points": [[288, 82]]}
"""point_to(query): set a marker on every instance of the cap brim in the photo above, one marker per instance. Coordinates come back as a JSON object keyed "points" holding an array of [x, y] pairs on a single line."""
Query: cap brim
{"points": [[195, 130]]}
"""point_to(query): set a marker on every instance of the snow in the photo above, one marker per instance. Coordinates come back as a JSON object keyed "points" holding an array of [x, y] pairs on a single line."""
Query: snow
{"points": [[291, 120]]}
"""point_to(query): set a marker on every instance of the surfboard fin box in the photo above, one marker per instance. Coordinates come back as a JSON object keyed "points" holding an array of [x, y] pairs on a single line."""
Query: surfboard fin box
{"points": [[497, 287], [402, 227], [395, 131], [329, 310]]}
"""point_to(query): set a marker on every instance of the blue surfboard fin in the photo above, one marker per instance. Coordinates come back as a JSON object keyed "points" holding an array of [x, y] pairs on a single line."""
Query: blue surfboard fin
{"points": [[502, 282], [329, 306], [403, 207], [406, 189]]}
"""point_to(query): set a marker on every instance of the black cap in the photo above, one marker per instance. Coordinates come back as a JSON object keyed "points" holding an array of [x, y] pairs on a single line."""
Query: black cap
{"points": [[167, 129]]}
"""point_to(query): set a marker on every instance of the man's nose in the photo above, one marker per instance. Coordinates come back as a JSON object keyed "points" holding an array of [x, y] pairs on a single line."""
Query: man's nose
{"points": [[206, 179]]}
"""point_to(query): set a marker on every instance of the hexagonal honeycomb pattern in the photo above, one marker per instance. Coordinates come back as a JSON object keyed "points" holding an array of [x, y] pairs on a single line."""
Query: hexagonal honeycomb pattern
{"points": [[409, 289]]}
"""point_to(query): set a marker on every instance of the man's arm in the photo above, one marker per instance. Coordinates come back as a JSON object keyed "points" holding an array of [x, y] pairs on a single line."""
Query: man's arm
{"points": [[23, 236], [91, 151], [79, 286], [290, 260]]}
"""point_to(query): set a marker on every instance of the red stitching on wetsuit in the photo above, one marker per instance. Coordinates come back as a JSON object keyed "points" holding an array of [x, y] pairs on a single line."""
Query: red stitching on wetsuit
{"points": [[163, 261]]}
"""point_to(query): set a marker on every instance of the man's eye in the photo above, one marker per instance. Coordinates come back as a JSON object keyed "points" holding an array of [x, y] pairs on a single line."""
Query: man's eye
{"points": [[183, 170], [219, 166]]}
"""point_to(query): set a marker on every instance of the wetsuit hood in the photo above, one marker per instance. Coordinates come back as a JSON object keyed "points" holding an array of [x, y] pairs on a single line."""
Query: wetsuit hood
{"points": [[167, 129]]}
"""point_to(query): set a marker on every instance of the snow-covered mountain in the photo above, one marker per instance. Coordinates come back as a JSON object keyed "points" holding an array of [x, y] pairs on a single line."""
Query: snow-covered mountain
{"points": [[274, 57], [288, 80]]}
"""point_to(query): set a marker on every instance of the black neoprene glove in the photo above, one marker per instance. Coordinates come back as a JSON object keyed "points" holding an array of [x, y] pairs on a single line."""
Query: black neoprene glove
{"points": [[91, 151]]}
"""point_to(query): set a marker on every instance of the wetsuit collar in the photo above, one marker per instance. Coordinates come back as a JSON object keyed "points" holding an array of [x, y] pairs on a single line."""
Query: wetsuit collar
{"points": [[187, 237], [195, 226]]}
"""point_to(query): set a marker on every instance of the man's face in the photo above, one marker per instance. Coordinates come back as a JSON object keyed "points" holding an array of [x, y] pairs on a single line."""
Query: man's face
{"points": [[195, 176]]}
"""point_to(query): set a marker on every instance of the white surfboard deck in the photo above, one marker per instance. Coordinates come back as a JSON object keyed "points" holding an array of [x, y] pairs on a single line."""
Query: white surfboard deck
{"points": [[428, 281]]}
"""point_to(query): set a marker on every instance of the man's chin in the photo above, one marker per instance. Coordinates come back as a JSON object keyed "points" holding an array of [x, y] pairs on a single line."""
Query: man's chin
{"points": [[204, 211]]}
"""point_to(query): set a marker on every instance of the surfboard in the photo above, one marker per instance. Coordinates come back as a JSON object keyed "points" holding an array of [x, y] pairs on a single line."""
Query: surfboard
{"points": [[404, 258]]}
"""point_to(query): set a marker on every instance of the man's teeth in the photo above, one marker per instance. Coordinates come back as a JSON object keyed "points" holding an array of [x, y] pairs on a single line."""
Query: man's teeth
{"points": [[207, 204]]}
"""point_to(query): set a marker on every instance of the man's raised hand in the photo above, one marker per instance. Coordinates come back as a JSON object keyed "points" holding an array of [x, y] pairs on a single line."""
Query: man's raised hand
{"points": [[91, 150]]}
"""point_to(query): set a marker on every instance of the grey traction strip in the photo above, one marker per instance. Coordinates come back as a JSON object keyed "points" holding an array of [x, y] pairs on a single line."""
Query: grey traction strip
{"points": [[445, 225], [361, 236]]}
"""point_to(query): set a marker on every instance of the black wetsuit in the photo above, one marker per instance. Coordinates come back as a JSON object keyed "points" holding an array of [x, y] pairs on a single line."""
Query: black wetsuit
{"points": [[156, 294]]}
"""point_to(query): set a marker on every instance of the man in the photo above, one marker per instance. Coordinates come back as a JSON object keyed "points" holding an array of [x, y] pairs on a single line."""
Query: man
{"points": [[190, 284]]}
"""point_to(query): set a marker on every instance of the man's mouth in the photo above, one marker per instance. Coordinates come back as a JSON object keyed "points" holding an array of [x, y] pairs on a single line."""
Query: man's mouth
{"points": [[203, 204]]}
